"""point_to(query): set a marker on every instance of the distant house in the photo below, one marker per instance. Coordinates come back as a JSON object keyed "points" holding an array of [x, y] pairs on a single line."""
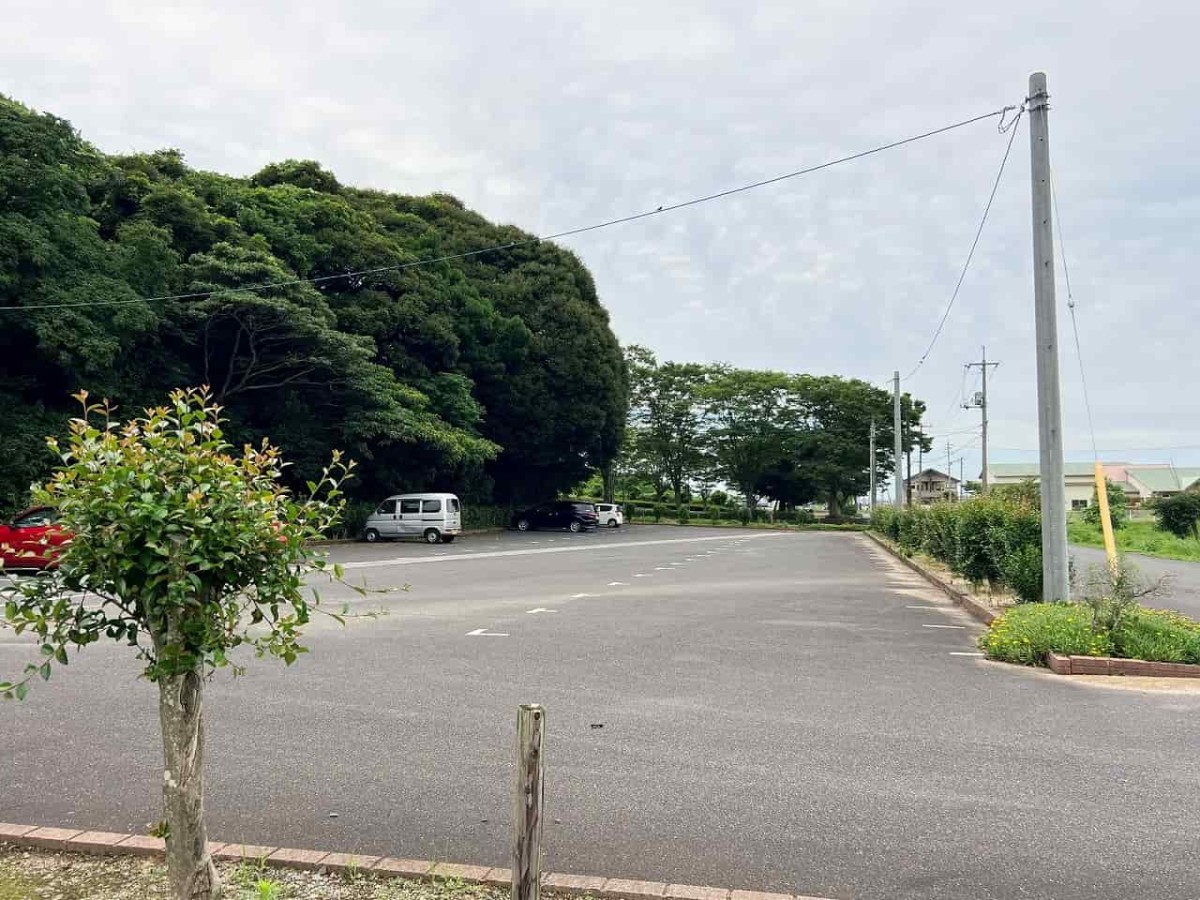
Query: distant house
{"points": [[931, 485], [1140, 482]]}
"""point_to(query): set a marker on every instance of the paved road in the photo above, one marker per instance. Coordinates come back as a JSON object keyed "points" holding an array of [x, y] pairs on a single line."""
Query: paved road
{"points": [[1182, 578], [781, 712]]}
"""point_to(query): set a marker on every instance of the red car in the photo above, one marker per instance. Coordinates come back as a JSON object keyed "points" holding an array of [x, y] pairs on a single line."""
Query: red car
{"points": [[30, 541]]}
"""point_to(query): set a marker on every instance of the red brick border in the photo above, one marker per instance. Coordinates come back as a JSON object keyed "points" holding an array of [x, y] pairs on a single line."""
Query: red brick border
{"points": [[106, 842], [1109, 665], [981, 611]]}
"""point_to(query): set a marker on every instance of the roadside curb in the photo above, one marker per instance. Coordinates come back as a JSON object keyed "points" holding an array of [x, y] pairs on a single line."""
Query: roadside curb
{"points": [[108, 843], [963, 599], [1110, 665]]}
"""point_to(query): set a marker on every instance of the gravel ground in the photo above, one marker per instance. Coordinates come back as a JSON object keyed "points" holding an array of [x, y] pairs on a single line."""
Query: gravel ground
{"points": [[35, 875]]}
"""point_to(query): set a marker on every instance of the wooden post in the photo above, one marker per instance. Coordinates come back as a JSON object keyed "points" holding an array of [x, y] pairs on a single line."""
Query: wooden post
{"points": [[527, 804]]}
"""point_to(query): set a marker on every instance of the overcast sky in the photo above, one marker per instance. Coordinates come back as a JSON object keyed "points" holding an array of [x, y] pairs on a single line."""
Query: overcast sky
{"points": [[552, 115]]}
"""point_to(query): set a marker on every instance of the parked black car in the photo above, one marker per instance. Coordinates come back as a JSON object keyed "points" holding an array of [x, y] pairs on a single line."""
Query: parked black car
{"points": [[573, 515]]}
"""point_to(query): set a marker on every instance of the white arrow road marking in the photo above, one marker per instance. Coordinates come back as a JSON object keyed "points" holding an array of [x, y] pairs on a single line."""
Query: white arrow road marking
{"points": [[943, 626], [618, 584], [540, 609], [483, 632]]}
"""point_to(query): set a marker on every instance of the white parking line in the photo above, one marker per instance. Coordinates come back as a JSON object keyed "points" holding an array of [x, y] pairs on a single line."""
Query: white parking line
{"points": [[662, 568], [618, 584], [540, 609], [483, 632], [571, 547], [643, 575], [963, 653], [580, 596]]}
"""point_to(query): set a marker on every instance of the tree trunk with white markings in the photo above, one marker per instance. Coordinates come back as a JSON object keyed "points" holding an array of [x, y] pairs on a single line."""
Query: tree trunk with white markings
{"points": [[190, 868]]}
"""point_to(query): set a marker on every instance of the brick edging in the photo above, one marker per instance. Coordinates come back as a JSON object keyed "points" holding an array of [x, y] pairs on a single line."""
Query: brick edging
{"points": [[1110, 665], [979, 610], [114, 843]]}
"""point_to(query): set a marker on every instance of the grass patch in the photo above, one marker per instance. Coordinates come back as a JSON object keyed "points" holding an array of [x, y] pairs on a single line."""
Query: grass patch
{"points": [[1027, 633], [1137, 537]]}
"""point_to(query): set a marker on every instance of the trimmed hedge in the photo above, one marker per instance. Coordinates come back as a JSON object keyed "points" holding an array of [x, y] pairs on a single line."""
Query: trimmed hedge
{"points": [[986, 539]]}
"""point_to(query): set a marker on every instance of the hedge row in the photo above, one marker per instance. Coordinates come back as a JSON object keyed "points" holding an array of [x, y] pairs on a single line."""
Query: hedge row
{"points": [[986, 539], [649, 511]]}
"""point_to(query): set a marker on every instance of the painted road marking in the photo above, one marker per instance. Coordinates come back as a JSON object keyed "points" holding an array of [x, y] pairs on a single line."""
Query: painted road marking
{"points": [[642, 575], [943, 626], [580, 596], [540, 609], [963, 653], [618, 584], [483, 632], [662, 568], [571, 548]]}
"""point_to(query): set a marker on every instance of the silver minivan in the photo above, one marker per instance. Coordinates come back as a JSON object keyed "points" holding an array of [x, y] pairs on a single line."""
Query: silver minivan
{"points": [[435, 518]]}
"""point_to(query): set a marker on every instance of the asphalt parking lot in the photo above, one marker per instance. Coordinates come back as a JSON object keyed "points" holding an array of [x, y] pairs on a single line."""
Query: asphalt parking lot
{"points": [[791, 712]]}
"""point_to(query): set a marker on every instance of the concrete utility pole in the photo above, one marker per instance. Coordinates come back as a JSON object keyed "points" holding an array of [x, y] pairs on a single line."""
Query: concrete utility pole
{"points": [[1055, 579], [872, 467], [899, 495], [982, 404], [949, 466]]}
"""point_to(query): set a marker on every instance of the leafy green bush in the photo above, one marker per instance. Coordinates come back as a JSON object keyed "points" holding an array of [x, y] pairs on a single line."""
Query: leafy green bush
{"points": [[1118, 508], [1026, 634], [683, 515], [886, 521], [986, 539], [973, 542], [1180, 514], [1158, 635]]}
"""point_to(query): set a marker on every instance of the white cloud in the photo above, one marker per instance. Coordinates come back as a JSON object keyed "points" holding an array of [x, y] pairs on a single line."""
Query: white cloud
{"points": [[557, 114]]}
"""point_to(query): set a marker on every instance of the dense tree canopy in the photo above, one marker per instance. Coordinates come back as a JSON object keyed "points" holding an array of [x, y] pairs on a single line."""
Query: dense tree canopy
{"points": [[494, 374], [791, 439]]}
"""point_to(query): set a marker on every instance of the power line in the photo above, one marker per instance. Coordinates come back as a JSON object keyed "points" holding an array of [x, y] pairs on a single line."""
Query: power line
{"points": [[1062, 252], [196, 295], [1012, 127]]}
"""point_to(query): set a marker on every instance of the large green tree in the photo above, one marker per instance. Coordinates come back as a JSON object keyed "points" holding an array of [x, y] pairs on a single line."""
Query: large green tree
{"points": [[494, 374]]}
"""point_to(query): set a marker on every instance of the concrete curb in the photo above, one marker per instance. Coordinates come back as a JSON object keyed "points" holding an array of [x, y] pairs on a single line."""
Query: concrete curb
{"points": [[1109, 665], [113, 844], [979, 610]]}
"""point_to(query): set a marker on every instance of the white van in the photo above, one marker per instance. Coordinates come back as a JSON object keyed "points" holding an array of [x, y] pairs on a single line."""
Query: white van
{"points": [[435, 518], [610, 514]]}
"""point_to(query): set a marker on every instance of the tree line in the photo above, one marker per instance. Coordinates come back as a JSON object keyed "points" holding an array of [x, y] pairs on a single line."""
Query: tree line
{"points": [[790, 439], [490, 373], [495, 375]]}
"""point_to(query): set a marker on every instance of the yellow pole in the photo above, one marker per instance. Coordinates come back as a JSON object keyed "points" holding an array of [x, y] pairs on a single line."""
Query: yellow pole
{"points": [[1110, 543]]}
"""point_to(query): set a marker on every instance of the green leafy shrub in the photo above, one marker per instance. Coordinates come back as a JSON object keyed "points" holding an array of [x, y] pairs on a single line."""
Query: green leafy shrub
{"points": [[973, 555], [1158, 635], [1180, 514], [683, 514], [1118, 507], [1026, 634], [986, 539], [886, 521], [744, 516]]}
